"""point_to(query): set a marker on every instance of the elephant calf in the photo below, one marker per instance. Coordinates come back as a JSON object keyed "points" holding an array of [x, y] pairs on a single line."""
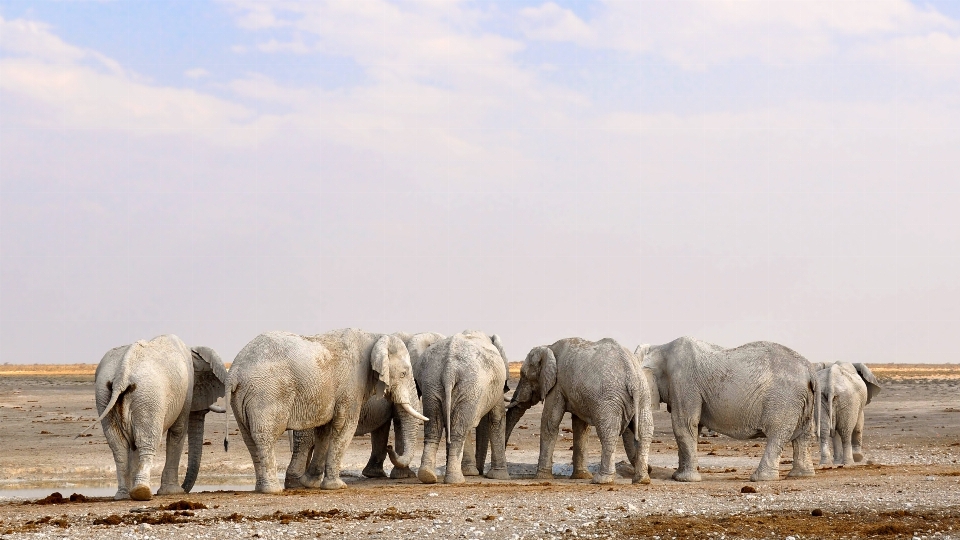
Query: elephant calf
{"points": [[760, 389], [462, 380], [150, 388], [845, 389], [599, 383]]}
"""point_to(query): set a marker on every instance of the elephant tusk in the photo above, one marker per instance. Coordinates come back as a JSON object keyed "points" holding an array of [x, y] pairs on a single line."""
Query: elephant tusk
{"points": [[413, 412], [217, 409]]}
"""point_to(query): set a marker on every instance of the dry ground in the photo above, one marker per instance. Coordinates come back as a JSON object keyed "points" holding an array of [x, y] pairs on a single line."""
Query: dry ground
{"points": [[911, 488]]}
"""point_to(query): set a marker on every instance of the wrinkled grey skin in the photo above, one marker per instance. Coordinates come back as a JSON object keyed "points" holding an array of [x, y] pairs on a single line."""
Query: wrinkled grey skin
{"points": [[375, 418], [282, 381], [462, 379], [845, 389], [755, 390], [150, 388], [599, 383]]}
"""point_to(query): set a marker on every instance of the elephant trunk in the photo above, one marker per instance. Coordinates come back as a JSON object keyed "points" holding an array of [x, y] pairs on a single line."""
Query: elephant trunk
{"points": [[407, 440], [195, 445], [514, 413]]}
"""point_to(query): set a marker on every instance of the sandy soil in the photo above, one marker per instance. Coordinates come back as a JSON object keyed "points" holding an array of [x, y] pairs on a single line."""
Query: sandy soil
{"points": [[911, 486]]}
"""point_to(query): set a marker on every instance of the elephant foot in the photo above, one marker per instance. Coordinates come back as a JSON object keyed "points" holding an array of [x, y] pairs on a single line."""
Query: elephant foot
{"points": [[141, 493], [427, 475], [292, 482], [544, 475], [826, 462], [686, 475], [170, 490], [645, 479], [374, 472], [857, 457], [798, 472], [625, 469], [582, 475], [470, 470], [498, 474], [310, 481], [332, 483], [121, 495], [454, 478], [764, 476], [399, 473], [602, 478], [269, 488]]}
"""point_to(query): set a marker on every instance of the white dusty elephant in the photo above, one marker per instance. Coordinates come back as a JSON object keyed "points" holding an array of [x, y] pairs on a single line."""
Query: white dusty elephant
{"points": [[462, 379], [599, 383], [282, 381], [150, 388], [845, 389], [377, 414], [760, 389]]}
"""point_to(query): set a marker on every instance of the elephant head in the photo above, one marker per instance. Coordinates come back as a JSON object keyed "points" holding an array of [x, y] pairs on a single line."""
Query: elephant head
{"points": [[390, 362], [538, 375], [209, 378], [873, 385]]}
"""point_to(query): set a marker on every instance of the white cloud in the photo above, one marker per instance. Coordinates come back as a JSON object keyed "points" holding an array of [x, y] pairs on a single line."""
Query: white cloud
{"points": [[196, 73]]}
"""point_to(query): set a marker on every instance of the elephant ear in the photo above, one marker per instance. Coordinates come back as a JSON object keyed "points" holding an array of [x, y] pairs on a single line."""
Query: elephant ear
{"points": [[209, 378], [506, 363], [873, 385], [654, 389], [641, 351], [380, 359], [548, 371]]}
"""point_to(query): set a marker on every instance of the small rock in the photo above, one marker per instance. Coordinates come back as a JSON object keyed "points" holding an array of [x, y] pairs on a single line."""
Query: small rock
{"points": [[816, 512], [791, 538], [632, 509], [432, 494], [143, 527], [748, 489]]}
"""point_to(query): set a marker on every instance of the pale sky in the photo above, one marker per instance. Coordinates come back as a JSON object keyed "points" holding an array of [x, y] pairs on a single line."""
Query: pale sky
{"points": [[735, 171]]}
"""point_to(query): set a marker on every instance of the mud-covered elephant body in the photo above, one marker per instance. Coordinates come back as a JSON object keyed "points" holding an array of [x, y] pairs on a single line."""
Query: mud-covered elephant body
{"points": [[376, 417], [462, 379], [283, 381], [845, 389], [599, 383], [760, 389], [149, 389]]}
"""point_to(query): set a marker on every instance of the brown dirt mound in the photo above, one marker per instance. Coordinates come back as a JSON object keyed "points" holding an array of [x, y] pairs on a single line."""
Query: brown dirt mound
{"points": [[792, 523], [184, 505]]}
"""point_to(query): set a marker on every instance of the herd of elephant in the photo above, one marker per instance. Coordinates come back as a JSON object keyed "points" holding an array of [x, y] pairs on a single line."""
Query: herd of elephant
{"points": [[329, 387]]}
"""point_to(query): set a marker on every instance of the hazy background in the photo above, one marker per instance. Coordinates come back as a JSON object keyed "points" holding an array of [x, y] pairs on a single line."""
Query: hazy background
{"points": [[735, 171]]}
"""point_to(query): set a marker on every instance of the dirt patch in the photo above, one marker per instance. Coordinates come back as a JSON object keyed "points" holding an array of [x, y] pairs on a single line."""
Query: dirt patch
{"points": [[184, 505], [57, 498], [389, 514], [792, 523]]}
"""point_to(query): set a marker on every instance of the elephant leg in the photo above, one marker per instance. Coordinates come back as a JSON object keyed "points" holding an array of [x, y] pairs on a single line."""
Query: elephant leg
{"points": [[431, 440], [857, 438], [630, 448], [379, 438], [133, 465], [640, 460], [846, 437], [580, 449], [495, 434], [553, 409], [826, 448], [169, 485], [468, 465], [685, 418], [318, 459], [399, 472], [121, 457], [769, 467], [303, 441], [608, 433], [341, 433], [837, 448], [802, 462], [482, 443], [461, 420]]}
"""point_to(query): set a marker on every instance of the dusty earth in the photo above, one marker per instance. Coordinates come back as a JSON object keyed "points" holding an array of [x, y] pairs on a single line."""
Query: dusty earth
{"points": [[910, 487]]}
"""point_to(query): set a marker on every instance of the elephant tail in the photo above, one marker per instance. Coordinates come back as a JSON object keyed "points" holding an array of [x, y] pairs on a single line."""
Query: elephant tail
{"points": [[118, 385], [226, 414], [817, 403], [637, 407], [447, 405]]}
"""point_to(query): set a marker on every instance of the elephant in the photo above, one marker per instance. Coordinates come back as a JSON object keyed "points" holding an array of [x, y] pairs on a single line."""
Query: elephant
{"points": [[755, 390], [282, 381], [462, 379], [845, 389], [599, 383], [375, 418], [150, 388]]}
